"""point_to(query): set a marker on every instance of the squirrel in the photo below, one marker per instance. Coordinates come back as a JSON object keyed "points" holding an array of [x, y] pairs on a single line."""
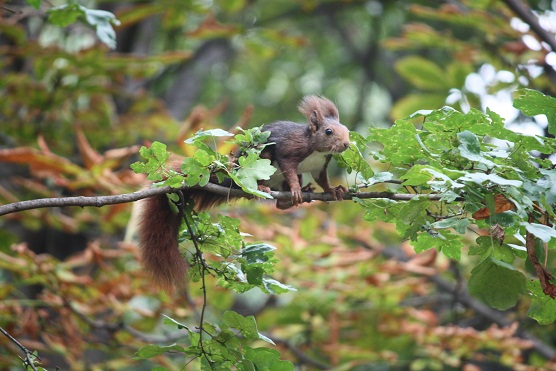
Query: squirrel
{"points": [[295, 149]]}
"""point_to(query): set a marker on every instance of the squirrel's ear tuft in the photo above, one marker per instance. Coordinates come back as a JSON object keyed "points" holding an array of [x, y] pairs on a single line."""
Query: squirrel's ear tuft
{"points": [[324, 107], [329, 109]]}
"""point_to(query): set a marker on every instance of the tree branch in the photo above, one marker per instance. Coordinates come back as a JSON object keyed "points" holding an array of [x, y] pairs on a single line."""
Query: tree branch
{"points": [[99, 201], [531, 19]]}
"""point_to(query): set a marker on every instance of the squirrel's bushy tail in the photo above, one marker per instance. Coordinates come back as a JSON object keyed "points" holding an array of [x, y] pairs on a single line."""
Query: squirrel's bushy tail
{"points": [[158, 242], [158, 231]]}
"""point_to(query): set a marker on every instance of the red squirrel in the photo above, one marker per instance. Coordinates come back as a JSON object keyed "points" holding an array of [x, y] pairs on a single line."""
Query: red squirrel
{"points": [[297, 149]]}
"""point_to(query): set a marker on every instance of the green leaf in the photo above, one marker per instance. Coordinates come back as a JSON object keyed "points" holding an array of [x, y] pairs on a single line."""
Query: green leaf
{"points": [[480, 178], [102, 22], [400, 146], [246, 325], [383, 209], [274, 287], [151, 351], [64, 15], [194, 172], [417, 175], [171, 321], [449, 244], [548, 182], [543, 307], [545, 233], [533, 102], [156, 157], [353, 160], [505, 219], [257, 253], [459, 224], [201, 135], [496, 283], [412, 217], [484, 247], [470, 148], [379, 178], [504, 253], [265, 359], [253, 168]]}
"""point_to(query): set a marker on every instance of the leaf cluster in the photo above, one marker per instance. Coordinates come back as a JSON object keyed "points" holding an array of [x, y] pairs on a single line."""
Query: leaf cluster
{"points": [[224, 349], [486, 174], [208, 164]]}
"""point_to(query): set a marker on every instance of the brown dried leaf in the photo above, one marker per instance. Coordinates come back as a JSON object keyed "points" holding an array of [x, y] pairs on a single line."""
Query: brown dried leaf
{"points": [[497, 233], [39, 162], [89, 156], [501, 204]]}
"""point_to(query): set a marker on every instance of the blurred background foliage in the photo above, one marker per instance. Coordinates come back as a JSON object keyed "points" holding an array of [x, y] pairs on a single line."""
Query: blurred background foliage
{"points": [[73, 113]]}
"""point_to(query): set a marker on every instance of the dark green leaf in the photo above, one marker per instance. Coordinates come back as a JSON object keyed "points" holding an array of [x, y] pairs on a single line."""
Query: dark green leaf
{"points": [[444, 241], [543, 307], [496, 283], [459, 224], [257, 253], [417, 175], [194, 172], [265, 359], [470, 148], [412, 217], [246, 325], [65, 15]]}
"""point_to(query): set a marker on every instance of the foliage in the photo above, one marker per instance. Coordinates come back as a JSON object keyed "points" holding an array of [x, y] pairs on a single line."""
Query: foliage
{"points": [[486, 175]]}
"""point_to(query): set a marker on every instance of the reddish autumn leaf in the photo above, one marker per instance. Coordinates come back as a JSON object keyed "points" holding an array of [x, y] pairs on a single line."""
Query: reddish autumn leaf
{"points": [[501, 204], [39, 161]]}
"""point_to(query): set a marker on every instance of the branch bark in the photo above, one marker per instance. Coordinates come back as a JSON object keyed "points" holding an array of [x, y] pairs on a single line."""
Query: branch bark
{"points": [[99, 201], [527, 16]]}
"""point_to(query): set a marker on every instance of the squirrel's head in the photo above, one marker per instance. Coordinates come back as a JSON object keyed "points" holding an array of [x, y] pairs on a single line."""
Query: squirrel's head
{"points": [[328, 134]]}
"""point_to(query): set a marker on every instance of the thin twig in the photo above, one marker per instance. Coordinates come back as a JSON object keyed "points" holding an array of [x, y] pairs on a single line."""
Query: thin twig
{"points": [[28, 354], [201, 260]]}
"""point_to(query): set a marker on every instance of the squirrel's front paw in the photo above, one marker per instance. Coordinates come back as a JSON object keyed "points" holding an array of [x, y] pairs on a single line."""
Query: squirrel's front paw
{"points": [[296, 196], [295, 200], [338, 192]]}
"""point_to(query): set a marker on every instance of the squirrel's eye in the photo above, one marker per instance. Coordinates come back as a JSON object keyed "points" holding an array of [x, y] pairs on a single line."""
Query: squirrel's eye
{"points": [[328, 132]]}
